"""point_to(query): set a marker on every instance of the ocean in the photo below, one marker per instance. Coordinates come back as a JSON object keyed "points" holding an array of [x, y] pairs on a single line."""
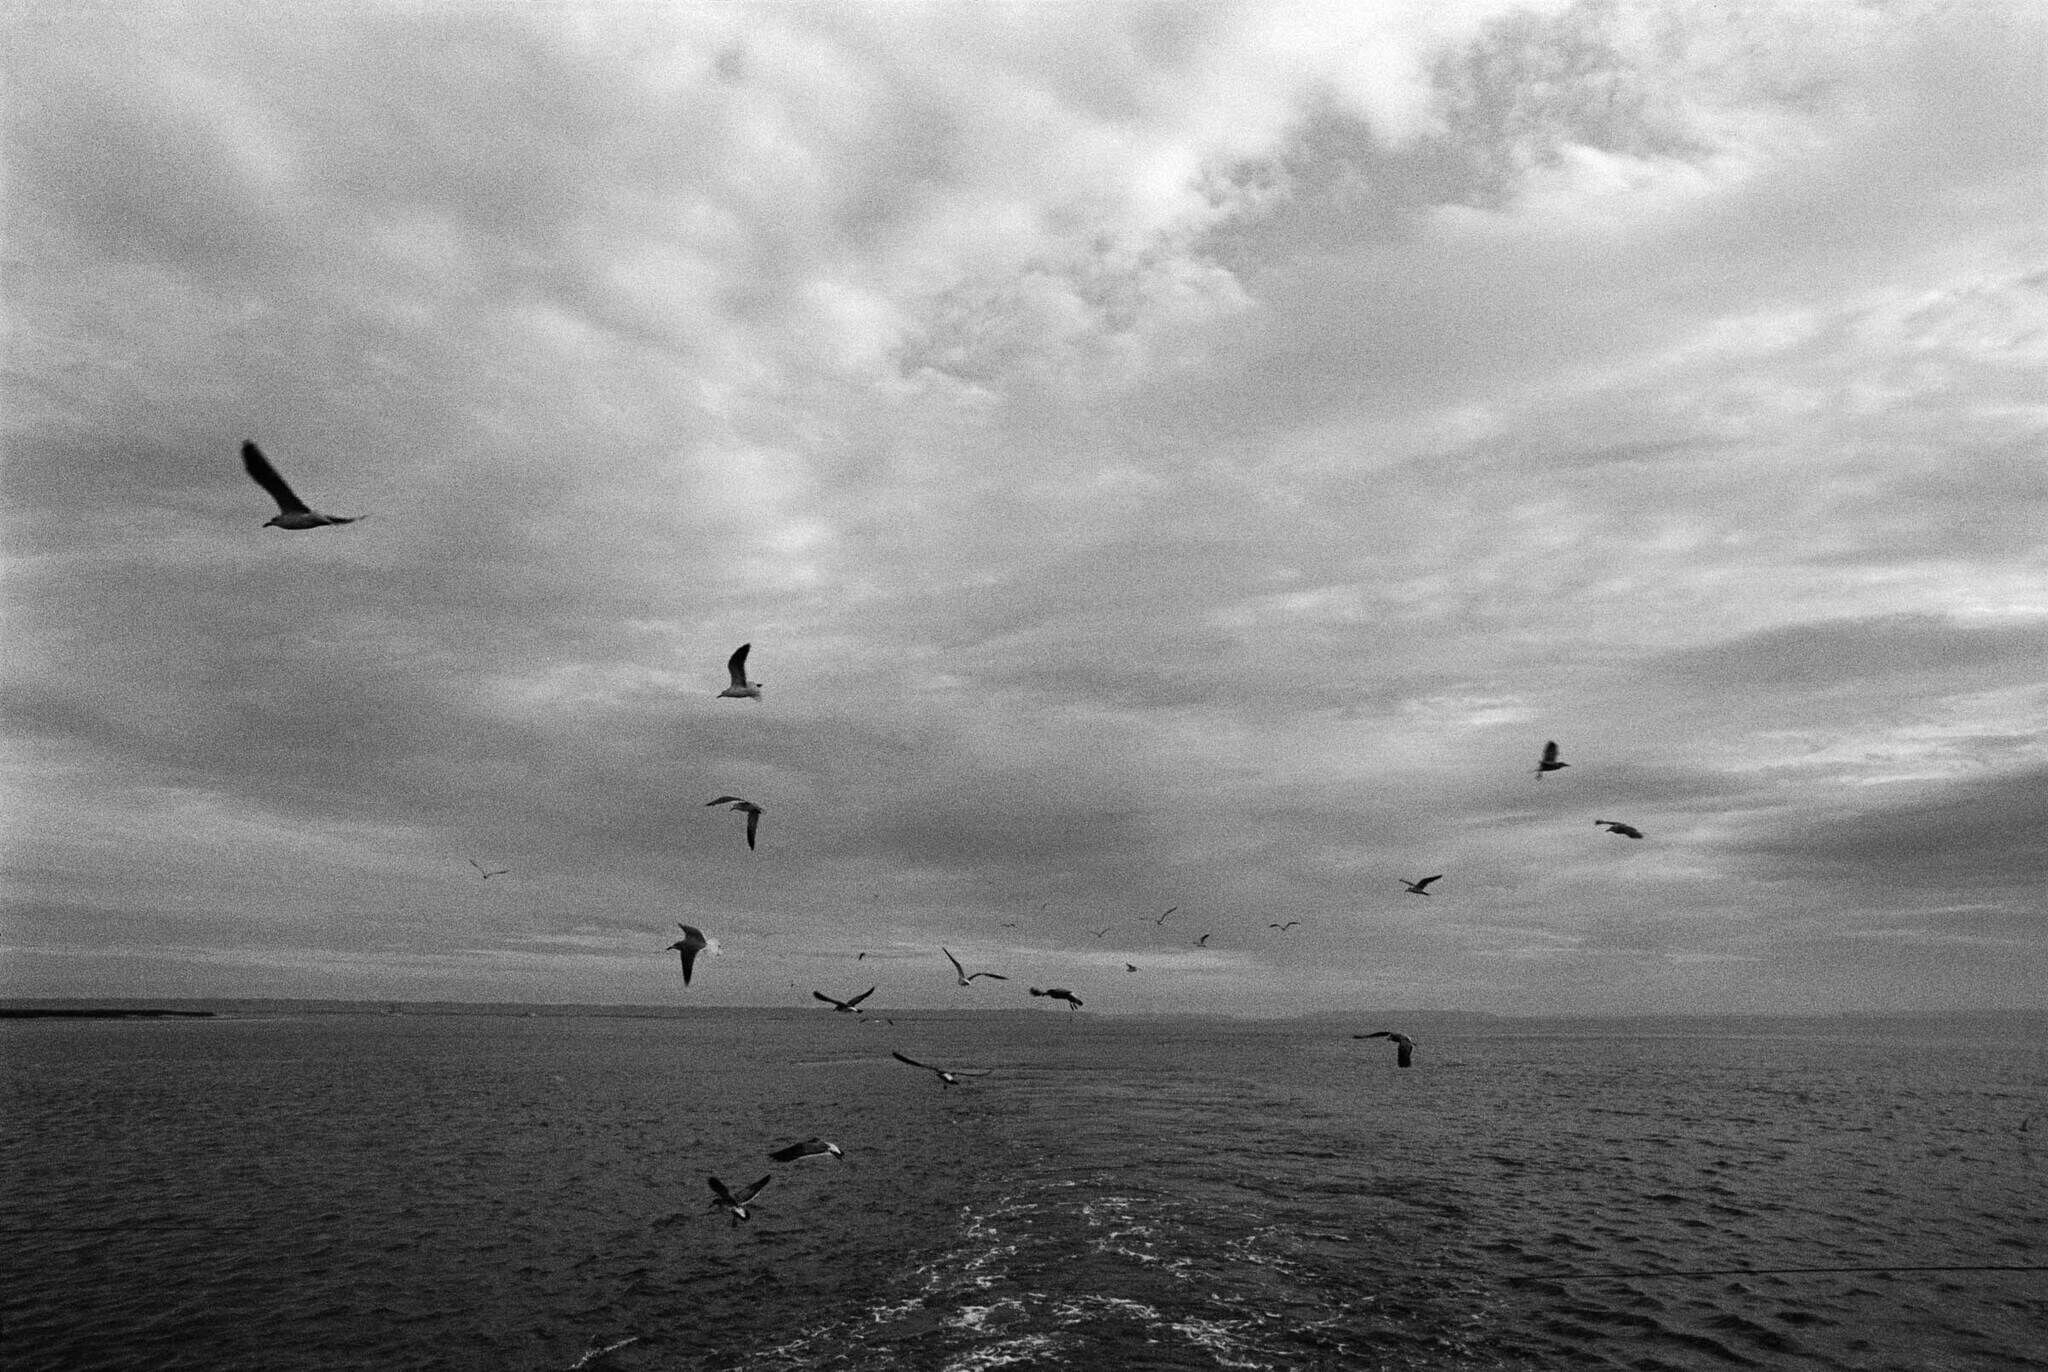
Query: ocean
{"points": [[283, 1191]]}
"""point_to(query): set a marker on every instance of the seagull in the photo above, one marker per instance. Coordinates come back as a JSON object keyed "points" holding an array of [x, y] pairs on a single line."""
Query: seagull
{"points": [[1415, 887], [850, 1007], [736, 1204], [1405, 1057], [1100, 932], [687, 947], [945, 1077], [860, 957], [1549, 762], [1060, 993], [965, 978], [1283, 928], [292, 512], [745, 807], [1009, 924], [1203, 941], [1169, 910], [741, 688], [1615, 826], [492, 872], [1130, 967], [812, 1147]]}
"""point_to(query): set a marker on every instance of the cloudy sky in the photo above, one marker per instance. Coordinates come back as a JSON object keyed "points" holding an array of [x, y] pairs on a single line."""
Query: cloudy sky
{"points": [[1162, 455]]}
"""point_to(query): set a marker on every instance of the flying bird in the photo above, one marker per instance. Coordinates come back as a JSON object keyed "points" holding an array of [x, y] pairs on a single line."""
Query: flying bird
{"points": [[1203, 941], [1549, 762], [946, 1078], [737, 1205], [1100, 932], [849, 1007], [487, 874], [1130, 967], [745, 807], [1169, 910], [860, 957], [736, 666], [967, 979], [812, 1147], [1060, 993], [1405, 1046], [1415, 887], [688, 946], [292, 512], [1615, 826], [1283, 928]]}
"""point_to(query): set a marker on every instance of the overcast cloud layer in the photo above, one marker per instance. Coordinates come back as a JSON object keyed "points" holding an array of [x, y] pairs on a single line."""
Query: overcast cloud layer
{"points": [[1171, 455]]}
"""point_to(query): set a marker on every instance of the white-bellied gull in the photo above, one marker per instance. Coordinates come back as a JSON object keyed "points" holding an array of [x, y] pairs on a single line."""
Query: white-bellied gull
{"points": [[946, 1076], [1404, 1055], [1549, 762], [1415, 888], [846, 1007], [967, 978], [1615, 826], [736, 1204], [812, 1147], [1059, 993], [292, 512], [736, 667], [745, 807], [688, 946]]}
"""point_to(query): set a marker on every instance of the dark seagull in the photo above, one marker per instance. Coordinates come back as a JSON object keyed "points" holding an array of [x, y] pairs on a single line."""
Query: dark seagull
{"points": [[1060, 993], [967, 978], [745, 807], [845, 1007], [1415, 888], [736, 667], [1130, 967], [737, 1205], [688, 946], [1615, 826], [1203, 941], [1405, 1046], [1169, 910], [292, 512], [1549, 762], [946, 1078], [812, 1147], [488, 873]]}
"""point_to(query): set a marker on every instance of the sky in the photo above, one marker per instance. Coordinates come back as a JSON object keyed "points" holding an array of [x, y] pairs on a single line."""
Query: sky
{"points": [[1168, 455]]}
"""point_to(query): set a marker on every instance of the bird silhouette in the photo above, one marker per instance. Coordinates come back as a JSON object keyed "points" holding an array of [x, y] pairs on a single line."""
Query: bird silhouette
{"points": [[688, 946], [736, 1204], [946, 1077], [1169, 910], [488, 873], [1549, 762], [966, 978], [812, 1147], [292, 512], [849, 1007], [745, 807], [1283, 928], [1203, 941], [1415, 887], [1615, 826], [736, 668], [1060, 993]]}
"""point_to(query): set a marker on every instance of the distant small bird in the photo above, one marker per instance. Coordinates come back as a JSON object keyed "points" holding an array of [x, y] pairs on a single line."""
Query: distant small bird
{"points": [[1283, 928], [1549, 762], [1130, 967], [488, 874], [745, 807], [736, 667], [849, 1007], [737, 1205], [1203, 941], [688, 946], [1009, 924], [1169, 910], [860, 957], [812, 1147], [1405, 1046], [1100, 932], [1060, 993], [946, 1078], [1615, 826], [1415, 887], [967, 978], [292, 512]]}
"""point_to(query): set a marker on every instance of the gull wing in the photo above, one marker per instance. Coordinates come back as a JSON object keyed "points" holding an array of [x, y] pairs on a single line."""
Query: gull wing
{"points": [[736, 665], [795, 1151], [900, 1057], [1550, 751], [1426, 880], [718, 1190], [753, 823], [258, 466], [755, 1189], [827, 999], [724, 800], [998, 976], [862, 996], [958, 970]]}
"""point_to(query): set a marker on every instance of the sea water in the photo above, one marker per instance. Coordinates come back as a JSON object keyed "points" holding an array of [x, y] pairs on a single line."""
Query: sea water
{"points": [[499, 1192]]}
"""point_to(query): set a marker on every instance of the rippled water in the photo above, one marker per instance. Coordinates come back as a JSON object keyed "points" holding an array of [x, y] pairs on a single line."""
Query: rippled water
{"points": [[508, 1193]]}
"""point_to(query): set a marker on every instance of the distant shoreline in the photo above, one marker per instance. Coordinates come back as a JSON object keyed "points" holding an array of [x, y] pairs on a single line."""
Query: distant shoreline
{"points": [[97, 1013]]}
